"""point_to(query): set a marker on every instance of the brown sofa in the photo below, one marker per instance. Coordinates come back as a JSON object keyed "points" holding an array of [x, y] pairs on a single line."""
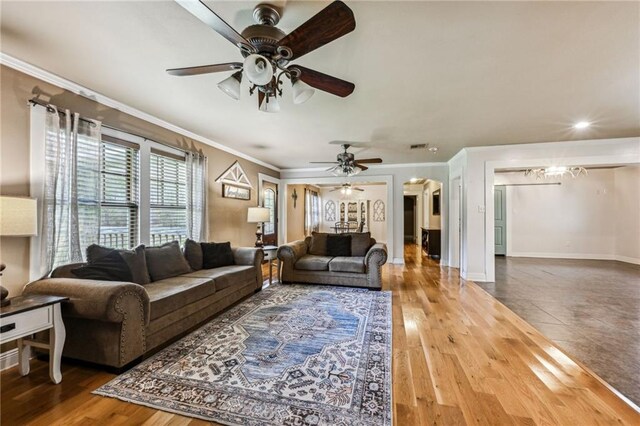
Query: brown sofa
{"points": [[306, 261], [114, 323]]}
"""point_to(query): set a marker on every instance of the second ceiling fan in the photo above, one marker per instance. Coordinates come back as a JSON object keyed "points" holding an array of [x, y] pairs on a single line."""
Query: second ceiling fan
{"points": [[346, 163], [267, 52]]}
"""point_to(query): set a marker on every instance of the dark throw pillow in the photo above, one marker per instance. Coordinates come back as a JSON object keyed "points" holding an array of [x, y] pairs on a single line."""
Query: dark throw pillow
{"points": [[215, 255], [193, 254], [111, 267], [338, 245], [166, 261], [318, 245], [360, 243], [134, 258]]}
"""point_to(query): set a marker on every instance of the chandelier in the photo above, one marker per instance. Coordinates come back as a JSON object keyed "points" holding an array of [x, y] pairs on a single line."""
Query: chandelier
{"points": [[556, 171], [345, 169], [260, 73]]}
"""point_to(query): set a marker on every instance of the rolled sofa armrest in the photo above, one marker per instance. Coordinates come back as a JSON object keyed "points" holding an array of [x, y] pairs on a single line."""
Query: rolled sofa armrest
{"points": [[288, 255], [250, 256], [291, 252], [377, 254], [108, 301], [374, 259]]}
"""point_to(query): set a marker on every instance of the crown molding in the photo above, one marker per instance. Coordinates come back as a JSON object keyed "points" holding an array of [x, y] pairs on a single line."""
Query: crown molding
{"points": [[78, 89]]}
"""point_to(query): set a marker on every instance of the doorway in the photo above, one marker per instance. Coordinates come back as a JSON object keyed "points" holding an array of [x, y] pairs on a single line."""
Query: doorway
{"points": [[409, 219], [270, 201], [500, 219]]}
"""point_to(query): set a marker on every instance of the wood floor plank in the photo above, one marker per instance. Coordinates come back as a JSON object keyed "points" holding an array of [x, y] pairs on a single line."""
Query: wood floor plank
{"points": [[460, 357]]}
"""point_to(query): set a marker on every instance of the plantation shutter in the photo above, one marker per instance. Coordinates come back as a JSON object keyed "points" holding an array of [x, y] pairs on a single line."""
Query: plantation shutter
{"points": [[120, 193], [168, 213]]}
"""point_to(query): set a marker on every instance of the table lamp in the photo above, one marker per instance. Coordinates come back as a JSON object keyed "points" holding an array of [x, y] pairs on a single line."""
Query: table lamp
{"points": [[18, 218], [258, 215]]}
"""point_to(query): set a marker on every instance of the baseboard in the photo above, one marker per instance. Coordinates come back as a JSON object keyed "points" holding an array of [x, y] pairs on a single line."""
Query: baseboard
{"points": [[398, 260], [9, 359], [474, 276], [580, 256], [626, 259]]}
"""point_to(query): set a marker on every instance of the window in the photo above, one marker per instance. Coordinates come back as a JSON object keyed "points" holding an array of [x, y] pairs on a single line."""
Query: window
{"points": [[119, 193], [270, 203], [311, 211], [168, 208]]}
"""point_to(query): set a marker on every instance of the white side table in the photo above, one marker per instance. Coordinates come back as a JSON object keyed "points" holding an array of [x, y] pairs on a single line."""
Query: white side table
{"points": [[27, 315], [270, 255]]}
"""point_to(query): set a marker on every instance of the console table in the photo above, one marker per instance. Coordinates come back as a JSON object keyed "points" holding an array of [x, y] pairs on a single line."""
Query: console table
{"points": [[431, 242], [270, 255], [27, 315]]}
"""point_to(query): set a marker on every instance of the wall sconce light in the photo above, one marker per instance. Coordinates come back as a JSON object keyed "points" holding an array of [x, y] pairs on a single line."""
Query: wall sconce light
{"points": [[294, 196]]}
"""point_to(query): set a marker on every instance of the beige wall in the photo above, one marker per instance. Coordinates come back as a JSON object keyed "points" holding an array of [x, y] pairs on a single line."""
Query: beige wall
{"points": [[227, 217], [627, 213], [434, 221]]}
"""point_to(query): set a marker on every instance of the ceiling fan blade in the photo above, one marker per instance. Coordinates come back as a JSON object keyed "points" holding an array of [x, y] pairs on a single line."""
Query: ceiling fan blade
{"points": [[369, 161], [201, 11], [363, 168], [260, 98], [329, 24], [324, 82], [357, 189], [205, 69]]}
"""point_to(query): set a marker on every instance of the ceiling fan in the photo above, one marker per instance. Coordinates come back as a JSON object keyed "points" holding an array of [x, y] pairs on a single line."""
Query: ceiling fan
{"points": [[346, 189], [347, 165], [267, 52]]}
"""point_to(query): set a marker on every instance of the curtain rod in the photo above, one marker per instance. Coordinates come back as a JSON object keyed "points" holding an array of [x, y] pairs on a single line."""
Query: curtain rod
{"points": [[527, 184], [36, 101]]}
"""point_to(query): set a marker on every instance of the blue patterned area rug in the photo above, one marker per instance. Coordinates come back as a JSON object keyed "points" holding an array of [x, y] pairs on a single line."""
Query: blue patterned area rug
{"points": [[290, 355]]}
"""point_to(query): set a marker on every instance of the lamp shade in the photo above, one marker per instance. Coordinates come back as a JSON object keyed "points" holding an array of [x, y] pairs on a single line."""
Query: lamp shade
{"points": [[301, 92], [258, 69], [18, 216], [231, 85], [258, 214], [270, 104]]}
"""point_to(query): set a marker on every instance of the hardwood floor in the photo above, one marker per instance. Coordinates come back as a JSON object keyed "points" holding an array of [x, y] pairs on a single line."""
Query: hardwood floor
{"points": [[459, 357], [590, 308]]}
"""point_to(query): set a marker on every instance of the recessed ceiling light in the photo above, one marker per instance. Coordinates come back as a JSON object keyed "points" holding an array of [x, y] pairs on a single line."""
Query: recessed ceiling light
{"points": [[433, 149], [581, 125]]}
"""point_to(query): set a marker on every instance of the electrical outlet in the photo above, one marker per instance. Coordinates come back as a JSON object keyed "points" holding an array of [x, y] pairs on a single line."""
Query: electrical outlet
{"points": [[481, 209]]}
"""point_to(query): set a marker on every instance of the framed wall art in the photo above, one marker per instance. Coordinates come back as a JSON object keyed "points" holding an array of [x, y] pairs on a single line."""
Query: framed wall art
{"points": [[237, 192]]}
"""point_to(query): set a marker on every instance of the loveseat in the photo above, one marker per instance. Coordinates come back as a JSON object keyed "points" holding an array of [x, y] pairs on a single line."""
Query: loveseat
{"points": [[311, 261], [114, 323]]}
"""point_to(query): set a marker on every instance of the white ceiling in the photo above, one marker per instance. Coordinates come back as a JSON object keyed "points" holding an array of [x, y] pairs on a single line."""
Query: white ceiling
{"points": [[451, 74]]}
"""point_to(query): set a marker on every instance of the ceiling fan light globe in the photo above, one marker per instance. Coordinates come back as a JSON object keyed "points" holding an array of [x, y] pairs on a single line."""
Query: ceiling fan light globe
{"points": [[302, 92], [258, 69], [231, 85], [270, 104]]}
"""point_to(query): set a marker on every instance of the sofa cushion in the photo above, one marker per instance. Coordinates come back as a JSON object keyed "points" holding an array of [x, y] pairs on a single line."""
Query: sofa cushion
{"points": [[226, 276], [111, 267], [360, 243], [310, 262], [170, 294], [193, 254], [338, 245], [215, 255], [135, 259], [166, 261], [318, 244], [353, 264]]}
